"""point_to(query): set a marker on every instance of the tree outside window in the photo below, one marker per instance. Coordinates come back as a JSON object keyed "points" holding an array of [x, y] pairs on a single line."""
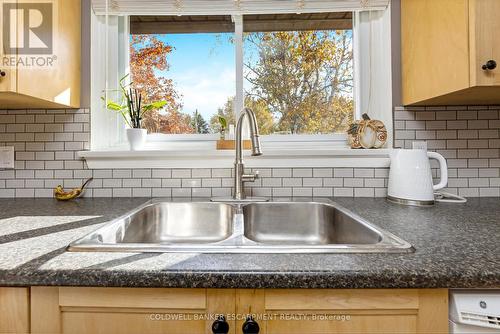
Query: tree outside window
{"points": [[297, 82]]}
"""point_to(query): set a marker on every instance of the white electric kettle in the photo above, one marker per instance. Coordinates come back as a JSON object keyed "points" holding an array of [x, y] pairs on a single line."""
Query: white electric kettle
{"points": [[410, 177]]}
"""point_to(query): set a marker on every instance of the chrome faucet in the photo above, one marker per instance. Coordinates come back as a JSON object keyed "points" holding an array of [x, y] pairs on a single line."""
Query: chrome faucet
{"points": [[239, 168]]}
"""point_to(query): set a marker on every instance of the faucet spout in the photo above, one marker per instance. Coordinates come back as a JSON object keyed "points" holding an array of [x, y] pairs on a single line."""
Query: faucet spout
{"points": [[254, 133], [239, 169]]}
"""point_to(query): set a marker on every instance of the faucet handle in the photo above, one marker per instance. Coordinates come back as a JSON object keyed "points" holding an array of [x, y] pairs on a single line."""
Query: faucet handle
{"points": [[250, 177]]}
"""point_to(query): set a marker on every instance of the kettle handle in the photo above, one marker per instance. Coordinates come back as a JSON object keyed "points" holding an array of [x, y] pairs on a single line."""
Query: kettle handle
{"points": [[443, 168]]}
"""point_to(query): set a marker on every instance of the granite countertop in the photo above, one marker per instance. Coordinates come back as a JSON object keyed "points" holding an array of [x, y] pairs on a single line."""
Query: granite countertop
{"points": [[457, 246]]}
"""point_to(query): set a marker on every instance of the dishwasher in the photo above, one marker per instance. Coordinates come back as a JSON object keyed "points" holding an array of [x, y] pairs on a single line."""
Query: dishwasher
{"points": [[474, 311]]}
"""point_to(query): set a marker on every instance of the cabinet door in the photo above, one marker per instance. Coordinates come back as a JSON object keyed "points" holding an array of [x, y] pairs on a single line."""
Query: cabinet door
{"points": [[435, 48], [484, 41], [345, 311], [127, 310], [14, 310], [56, 76], [8, 82]]}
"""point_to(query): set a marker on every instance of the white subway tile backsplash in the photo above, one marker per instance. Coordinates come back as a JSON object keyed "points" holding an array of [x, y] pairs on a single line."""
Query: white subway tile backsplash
{"points": [[364, 192], [131, 183], [181, 192], [141, 192], [25, 174], [292, 182], [44, 118], [282, 172], [122, 173], [302, 172], [66, 174], [46, 142], [7, 193], [181, 173], [262, 192], [468, 192], [322, 192], [456, 125], [282, 192], [103, 173], [122, 192], [101, 192], [171, 183], [34, 165], [479, 182], [191, 183], [161, 192], [489, 192], [322, 172], [343, 172], [201, 173], [64, 155], [343, 192], [223, 172], [446, 115], [49, 174], [25, 193], [56, 127], [351, 182], [477, 124], [212, 183], [312, 182], [302, 192], [435, 125], [466, 114]]}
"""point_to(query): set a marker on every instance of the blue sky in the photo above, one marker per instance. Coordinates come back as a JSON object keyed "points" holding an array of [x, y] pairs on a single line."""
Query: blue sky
{"points": [[202, 67]]}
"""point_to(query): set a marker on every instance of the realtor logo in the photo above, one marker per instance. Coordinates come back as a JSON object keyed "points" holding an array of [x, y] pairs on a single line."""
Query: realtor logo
{"points": [[28, 28]]}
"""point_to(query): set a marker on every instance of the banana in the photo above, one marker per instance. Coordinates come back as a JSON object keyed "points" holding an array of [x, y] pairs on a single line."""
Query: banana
{"points": [[62, 195]]}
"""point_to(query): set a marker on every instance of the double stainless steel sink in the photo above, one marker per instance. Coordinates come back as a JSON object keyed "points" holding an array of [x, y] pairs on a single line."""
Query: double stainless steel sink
{"points": [[295, 226]]}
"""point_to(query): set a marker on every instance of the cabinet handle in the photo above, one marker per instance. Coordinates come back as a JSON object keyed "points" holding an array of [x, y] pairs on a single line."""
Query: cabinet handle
{"points": [[490, 65], [2, 73], [220, 326], [250, 326]]}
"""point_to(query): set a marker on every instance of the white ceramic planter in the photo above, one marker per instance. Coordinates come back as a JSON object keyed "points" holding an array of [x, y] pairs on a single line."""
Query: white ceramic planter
{"points": [[136, 138]]}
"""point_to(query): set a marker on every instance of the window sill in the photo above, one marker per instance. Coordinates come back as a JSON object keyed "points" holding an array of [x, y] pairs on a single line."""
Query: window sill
{"points": [[272, 158]]}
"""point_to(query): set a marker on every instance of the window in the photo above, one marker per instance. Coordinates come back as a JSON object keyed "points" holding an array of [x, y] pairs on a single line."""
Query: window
{"points": [[187, 61], [306, 75], [297, 70]]}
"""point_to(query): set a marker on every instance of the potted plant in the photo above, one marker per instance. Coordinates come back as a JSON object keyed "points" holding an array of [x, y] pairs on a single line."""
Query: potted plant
{"points": [[132, 109], [223, 126]]}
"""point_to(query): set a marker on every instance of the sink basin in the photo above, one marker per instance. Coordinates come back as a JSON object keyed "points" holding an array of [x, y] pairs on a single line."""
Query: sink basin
{"points": [[304, 223], [168, 223], [293, 226]]}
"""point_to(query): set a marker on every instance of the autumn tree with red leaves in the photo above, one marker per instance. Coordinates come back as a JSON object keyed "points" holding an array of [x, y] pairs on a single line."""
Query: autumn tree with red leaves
{"points": [[148, 56]]}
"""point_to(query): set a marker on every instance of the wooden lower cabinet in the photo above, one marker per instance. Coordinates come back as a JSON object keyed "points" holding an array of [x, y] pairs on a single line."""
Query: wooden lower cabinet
{"points": [[347, 311], [127, 311], [190, 311], [14, 310]]}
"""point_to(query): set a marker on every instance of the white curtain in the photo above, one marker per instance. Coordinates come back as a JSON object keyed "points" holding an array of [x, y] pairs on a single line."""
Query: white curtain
{"points": [[230, 7], [373, 64]]}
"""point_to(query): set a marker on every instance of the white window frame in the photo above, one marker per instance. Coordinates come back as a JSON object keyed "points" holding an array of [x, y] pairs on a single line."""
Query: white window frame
{"points": [[331, 147]]}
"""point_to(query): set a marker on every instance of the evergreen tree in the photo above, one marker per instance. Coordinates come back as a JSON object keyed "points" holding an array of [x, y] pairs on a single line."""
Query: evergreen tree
{"points": [[198, 123]]}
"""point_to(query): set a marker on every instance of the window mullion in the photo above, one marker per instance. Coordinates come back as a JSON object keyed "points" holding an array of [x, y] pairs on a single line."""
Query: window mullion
{"points": [[238, 48]]}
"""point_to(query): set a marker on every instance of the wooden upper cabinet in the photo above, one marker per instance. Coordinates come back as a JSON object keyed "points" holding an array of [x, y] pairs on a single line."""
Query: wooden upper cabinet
{"points": [[445, 44], [52, 78]]}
